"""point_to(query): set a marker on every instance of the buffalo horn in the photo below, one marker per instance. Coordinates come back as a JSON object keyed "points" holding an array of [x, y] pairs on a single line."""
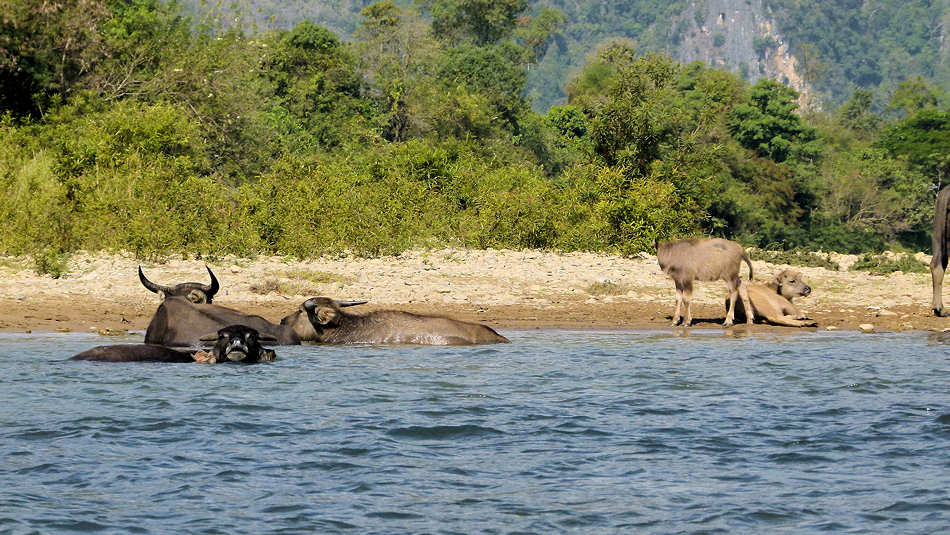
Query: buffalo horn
{"points": [[157, 288], [350, 303], [212, 288]]}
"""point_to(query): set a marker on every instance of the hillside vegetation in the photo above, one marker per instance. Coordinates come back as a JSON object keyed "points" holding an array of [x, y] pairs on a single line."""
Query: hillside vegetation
{"points": [[129, 125], [839, 45]]}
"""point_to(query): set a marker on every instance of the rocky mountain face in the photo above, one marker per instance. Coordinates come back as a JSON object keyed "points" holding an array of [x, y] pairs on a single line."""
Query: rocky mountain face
{"points": [[739, 35]]}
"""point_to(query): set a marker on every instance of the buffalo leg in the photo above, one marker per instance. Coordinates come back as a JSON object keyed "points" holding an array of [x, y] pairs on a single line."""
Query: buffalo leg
{"points": [[731, 307], [679, 299], [746, 303], [938, 265], [790, 321], [687, 303]]}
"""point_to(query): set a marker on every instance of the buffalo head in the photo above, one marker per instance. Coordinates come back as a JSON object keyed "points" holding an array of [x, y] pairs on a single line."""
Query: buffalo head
{"points": [[193, 291], [790, 284], [238, 343], [326, 312]]}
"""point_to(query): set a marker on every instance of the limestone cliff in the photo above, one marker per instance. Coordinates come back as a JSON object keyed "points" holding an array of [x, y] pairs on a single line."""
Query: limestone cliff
{"points": [[739, 35]]}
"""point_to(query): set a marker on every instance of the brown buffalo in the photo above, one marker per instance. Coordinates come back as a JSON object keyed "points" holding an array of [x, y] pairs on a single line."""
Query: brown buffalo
{"points": [[940, 243], [234, 343], [195, 292], [772, 302], [703, 260], [320, 320]]}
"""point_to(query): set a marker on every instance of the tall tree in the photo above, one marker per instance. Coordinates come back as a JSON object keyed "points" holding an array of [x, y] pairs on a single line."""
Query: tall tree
{"points": [[45, 50], [767, 122], [480, 22]]}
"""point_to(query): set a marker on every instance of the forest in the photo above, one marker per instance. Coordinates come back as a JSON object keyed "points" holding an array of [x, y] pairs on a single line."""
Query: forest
{"points": [[137, 125]]}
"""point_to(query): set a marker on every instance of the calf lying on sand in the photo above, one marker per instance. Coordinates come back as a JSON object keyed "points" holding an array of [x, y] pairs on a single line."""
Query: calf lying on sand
{"points": [[703, 260], [773, 301], [234, 343]]}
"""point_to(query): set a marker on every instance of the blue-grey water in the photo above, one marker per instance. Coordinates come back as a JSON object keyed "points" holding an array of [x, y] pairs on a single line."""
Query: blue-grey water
{"points": [[558, 432]]}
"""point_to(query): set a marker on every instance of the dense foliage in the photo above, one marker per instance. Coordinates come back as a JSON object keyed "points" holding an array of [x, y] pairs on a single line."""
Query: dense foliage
{"points": [[166, 134], [841, 45]]}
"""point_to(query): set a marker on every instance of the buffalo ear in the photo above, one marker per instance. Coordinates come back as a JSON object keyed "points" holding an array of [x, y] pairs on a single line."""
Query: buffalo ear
{"points": [[326, 315], [209, 338]]}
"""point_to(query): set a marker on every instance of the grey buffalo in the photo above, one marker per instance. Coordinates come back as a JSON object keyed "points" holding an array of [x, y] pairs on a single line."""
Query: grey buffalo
{"points": [[322, 320], [195, 292], [319, 320], [179, 322], [234, 343], [704, 260], [940, 237]]}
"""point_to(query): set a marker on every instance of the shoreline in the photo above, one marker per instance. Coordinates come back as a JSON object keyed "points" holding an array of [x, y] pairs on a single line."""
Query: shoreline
{"points": [[501, 288]]}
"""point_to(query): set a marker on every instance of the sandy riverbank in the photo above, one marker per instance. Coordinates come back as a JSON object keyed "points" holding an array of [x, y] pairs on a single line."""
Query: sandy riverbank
{"points": [[504, 289]]}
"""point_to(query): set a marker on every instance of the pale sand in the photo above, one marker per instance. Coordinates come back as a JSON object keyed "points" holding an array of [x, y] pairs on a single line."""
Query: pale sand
{"points": [[502, 288]]}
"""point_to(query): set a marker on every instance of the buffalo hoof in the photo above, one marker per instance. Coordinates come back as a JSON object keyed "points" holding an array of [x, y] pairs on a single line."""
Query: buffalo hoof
{"points": [[728, 324], [938, 312]]}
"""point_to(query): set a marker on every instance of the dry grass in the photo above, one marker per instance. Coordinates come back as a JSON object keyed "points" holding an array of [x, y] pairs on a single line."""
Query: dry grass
{"points": [[315, 277], [267, 286], [606, 287]]}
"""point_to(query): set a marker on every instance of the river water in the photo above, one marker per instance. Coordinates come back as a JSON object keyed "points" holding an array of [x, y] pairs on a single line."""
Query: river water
{"points": [[558, 432]]}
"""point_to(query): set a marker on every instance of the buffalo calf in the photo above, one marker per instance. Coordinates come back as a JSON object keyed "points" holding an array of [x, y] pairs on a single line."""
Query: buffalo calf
{"points": [[708, 259], [772, 302]]}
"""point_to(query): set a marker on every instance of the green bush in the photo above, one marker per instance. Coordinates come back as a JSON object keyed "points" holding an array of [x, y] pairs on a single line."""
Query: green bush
{"points": [[50, 262], [883, 265]]}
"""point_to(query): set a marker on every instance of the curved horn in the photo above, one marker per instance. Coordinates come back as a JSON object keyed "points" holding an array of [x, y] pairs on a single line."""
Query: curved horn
{"points": [[350, 303], [151, 286], [212, 288]]}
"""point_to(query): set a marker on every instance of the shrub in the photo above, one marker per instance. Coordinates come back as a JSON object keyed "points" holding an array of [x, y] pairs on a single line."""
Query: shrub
{"points": [[883, 264], [50, 262]]}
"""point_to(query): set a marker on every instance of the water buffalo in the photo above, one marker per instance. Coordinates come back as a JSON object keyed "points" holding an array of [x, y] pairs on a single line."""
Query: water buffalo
{"points": [[703, 260], [772, 302], [192, 291], [179, 322], [322, 320], [237, 343], [234, 343], [940, 238]]}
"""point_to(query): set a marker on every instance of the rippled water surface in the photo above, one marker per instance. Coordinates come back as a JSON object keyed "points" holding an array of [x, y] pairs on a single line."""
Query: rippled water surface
{"points": [[558, 432]]}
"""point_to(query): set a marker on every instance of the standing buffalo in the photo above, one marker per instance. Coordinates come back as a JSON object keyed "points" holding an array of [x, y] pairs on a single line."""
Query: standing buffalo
{"points": [[703, 260], [941, 236], [320, 320], [772, 302], [234, 343], [192, 291]]}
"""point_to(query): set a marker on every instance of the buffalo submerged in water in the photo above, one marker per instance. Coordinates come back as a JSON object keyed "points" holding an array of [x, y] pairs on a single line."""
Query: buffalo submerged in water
{"points": [[234, 343], [320, 320]]}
